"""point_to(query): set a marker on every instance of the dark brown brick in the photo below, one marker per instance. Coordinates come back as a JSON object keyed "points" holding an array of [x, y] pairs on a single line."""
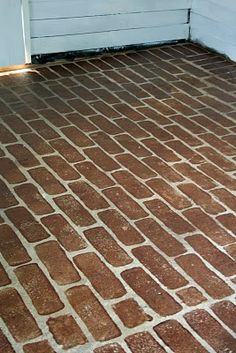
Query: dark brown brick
{"points": [[128, 112], [124, 231], [171, 195], [39, 289], [199, 178], [191, 296], [66, 332], [23, 156], [208, 226], [34, 200], [107, 246], [132, 128], [67, 151], [184, 136], [11, 248], [160, 150], [5, 345], [6, 136], [17, 317], [74, 210], [147, 288], [226, 311], [130, 313], [156, 131], [187, 153], [38, 347], [217, 159], [201, 198], [68, 237], [91, 198], [228, 221], [44, 130], [105, 109], [92, 313], [132, 145], [218, 144], [132, 185], [135, 166], [125, 203], [40, 146], [10, 171], [16, 124], [163, 169], [94, 175], [81, 122], [104, 141], [210, 125], [105, 125], [77, 136], [225, 197], [210, 330], [143, 342], [178, 338], [110, 348], [29, 227], [163, 240], [213, 255], [4, 281], [61, 167], [101, 159], [47, 181], [207, 279], [100, 275], [169, 217]]}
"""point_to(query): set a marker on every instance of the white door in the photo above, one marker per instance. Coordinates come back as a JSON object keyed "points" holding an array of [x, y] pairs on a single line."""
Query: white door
{"points": [[14, 49]]}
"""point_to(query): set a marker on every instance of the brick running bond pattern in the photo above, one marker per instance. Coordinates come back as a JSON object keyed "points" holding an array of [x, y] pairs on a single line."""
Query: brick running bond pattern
{"points": [[118, 222]]}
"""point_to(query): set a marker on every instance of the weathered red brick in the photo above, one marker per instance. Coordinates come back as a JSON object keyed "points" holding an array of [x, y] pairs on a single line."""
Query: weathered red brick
{"points": [[47, 181], [160, 107], [24, 221], [217, 159], [156, 131], [92, 313], [201, 198], [74, 210], [228, 221], [59, 266], [59, 105], [34, 200], [210, 125], [38, 347], [191, 296], [163, 169], [208, 226], [68, 237], [207, 279], [39, 289], [110, 348], [51, 115], [124, 231], [66, 332], [44, 130], [159, 267], [226, 311], [102, 279], [105, 109], [106, 142], [10, 171], [101, 159], [91, 198], [94, 175], [153, 115], [67, 151], [11, 248], [143, 342], [163, 240], [61, 167], [160, 150], [225, 197], [210, 330], [150, 291], [5, 345], [39, 145], [191, 155], [184, 136], [178, 338], [130, 313], [132, 145], [128, 112], [135, 166], [4, 280], [125, 203], [81, 122], [105, 125], [107, 246], [77, 136], [171, 195], [169, 217], [132, 185], [6, 136], [199, 178], [218, 144], [187, 123], [23, 155], [131, 128], [17, 317]]}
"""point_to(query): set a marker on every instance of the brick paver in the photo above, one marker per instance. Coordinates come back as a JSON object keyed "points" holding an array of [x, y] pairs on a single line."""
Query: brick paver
{"points": [[117, 223]]}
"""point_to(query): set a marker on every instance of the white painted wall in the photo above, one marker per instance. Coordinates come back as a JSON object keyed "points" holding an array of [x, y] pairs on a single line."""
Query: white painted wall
{"points": [[13, 47], [213, 24], [70, 25]]}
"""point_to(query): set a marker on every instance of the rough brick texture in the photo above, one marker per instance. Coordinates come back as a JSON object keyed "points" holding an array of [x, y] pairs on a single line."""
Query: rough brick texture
{"points": [[118, 206]]}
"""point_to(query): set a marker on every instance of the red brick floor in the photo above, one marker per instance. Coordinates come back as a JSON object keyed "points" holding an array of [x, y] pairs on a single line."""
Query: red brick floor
{"points": [[118, 205]]}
